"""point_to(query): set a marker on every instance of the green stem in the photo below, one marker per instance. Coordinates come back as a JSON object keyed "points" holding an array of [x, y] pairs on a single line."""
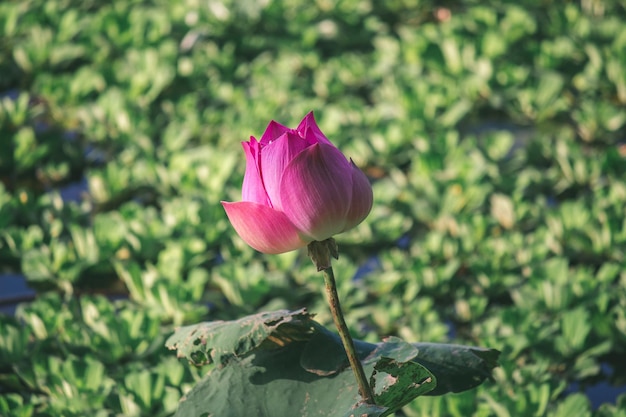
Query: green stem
{"points": [[335, 308]]}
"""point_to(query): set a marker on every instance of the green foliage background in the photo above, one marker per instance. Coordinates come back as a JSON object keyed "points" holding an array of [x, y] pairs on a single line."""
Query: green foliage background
{"points": [[494, 136]]}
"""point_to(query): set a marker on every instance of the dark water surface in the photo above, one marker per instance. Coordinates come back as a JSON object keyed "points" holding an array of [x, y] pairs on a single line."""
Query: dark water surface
{"points": [[13, 290]]}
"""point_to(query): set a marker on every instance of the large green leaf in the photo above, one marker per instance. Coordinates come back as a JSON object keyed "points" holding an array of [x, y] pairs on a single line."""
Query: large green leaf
{"points": [[284, 363], [220, 341]]}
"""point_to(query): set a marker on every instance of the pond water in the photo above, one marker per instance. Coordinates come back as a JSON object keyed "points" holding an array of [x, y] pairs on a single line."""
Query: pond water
{"points": [[601, 392], [13, 290]]}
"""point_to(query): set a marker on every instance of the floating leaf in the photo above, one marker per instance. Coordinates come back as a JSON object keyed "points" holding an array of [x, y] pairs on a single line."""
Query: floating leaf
{"points": [[284, 363], [221, 341], [396, 383]]}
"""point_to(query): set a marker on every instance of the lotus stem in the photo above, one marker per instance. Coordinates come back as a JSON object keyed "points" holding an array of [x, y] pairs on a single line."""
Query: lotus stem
{"points": [[335, 308]]}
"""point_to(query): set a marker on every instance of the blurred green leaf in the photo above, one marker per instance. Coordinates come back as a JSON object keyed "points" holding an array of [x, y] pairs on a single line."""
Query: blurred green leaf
{"points": [[575, 405]]}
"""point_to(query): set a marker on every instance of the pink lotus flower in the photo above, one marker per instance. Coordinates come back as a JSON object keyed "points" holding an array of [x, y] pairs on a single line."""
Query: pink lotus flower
{"points": [[297, 188]]}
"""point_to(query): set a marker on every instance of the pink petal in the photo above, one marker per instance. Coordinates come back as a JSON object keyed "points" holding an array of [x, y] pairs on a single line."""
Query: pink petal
{"points": [[274, 158], [362, 198], [252, 188], [316, 189], [265, 229], [309, 130], [272, 132]]}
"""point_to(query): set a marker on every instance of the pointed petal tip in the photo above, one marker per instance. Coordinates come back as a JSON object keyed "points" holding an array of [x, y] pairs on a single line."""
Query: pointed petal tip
{"points": [[310, 117], [307, 122], [273, 131], [310, 131]]}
